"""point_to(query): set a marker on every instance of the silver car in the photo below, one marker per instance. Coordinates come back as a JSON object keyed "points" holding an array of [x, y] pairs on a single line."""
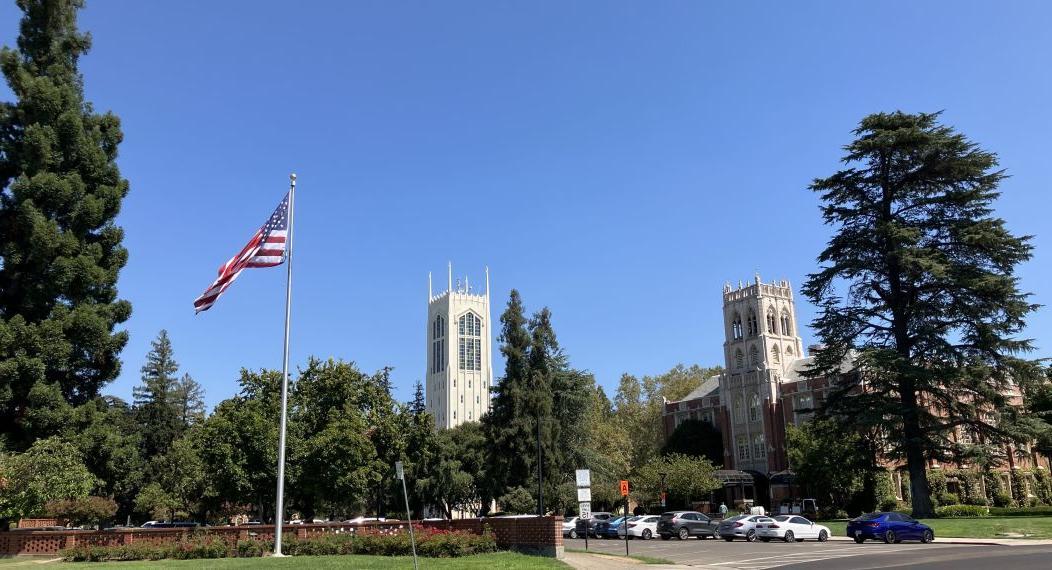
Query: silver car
{"points": [[741, 526]]}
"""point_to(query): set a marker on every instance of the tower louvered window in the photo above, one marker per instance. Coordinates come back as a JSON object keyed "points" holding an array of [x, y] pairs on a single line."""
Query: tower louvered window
{"points": [[470, 342], [438, 345]]}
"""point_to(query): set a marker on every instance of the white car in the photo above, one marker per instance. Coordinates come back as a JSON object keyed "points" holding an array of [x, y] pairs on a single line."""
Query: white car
{"points": [[741, 526], [790, 528], [644, 527], [570, 527]]}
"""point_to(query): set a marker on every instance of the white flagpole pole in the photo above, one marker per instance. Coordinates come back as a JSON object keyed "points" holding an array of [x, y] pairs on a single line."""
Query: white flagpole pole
{"points": [[279, 514]]}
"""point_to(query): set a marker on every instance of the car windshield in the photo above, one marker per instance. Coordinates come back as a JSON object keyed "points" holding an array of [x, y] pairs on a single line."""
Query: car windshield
{"points": [[737, 518], [870, 516], [651, 519], [782, 518]]}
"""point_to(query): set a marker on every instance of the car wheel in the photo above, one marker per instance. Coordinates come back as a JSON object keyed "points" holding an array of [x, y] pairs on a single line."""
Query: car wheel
{"points": [[928, 537], [573, 534], [823, 536], [666, 537], [750, 536], [789, 536], [889, 537], [647, 535], [859, 540], [684, 534]]}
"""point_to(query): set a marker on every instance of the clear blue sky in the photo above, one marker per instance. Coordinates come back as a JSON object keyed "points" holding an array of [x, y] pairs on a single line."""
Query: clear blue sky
{"points": [[615, 161]]}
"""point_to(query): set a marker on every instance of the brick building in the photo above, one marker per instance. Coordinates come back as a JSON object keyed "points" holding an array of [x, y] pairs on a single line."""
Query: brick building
{"points": [[763, 390]]}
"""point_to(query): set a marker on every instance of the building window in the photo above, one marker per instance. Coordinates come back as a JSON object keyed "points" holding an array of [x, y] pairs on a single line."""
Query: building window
{"points": [[754, 357], [788, 352], [470, 342], [802, 407], [739, 409], [770, 322], [477, 398], [752, 323], [736, 327], [462, 398], [775, 355], [759, 446], [739, 359], [787, 324], [754, 408], [743, 447], [438, 345]]}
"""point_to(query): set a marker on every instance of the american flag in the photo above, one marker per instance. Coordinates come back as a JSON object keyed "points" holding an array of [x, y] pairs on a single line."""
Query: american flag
{"points": [[266, 249]]}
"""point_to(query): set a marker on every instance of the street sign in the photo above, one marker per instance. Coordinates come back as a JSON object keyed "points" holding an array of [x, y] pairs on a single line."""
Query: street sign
{"points": [[624, 488], [586, 510], [584, 495], [399, 474], [584, 478]]}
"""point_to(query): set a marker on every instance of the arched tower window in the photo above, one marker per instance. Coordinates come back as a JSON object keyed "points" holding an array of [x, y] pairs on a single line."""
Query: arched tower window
{"points": [[771, 322], [787, 324], [739, 359], [752, 323], [736, 327], [754, 408], [754, 357], [739, 409], [776, 356], [438, 345], [789, 352], [469, 343]]}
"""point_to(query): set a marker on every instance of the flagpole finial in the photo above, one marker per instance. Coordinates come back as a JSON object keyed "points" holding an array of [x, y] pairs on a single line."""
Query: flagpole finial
{"points": [[292, 178]]}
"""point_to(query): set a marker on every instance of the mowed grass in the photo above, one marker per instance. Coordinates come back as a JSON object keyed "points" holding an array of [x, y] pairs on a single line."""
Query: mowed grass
{"points": [[984, 527], [479, 562]]}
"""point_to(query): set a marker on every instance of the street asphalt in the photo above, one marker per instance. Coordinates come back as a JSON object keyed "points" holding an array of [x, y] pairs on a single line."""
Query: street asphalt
{"points": [[739, 555]]}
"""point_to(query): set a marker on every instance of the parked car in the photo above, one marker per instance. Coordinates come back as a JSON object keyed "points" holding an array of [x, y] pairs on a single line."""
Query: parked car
{"points": [[685, 524], [889, 527], [588, 525], [741, 526], [610, 527], [570, 527], [790, 528], [173, 524], [644, 527]]}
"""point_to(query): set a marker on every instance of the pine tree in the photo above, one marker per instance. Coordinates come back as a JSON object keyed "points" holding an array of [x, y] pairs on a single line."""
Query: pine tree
{"points": [[157, 399], [189, 401], [60, 191], [919, 279]]}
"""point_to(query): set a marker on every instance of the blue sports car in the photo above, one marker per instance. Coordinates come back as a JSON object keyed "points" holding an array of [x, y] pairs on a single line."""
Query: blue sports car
{"points": [[611, 528], [889, 527]]}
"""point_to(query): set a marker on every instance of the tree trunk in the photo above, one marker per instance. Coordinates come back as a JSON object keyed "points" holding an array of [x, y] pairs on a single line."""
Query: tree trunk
{"points": [[920, 498]]}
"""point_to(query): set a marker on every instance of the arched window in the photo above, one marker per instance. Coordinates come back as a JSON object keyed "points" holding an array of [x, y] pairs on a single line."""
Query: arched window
{"points": [[787, 324], [736, 327], [770, 322], [754, 408], [739, 359], [759, 446], [754, 356], [752, 323], [469, 343], [789, 351], [438, 345], [776, 357], [739, 409]]}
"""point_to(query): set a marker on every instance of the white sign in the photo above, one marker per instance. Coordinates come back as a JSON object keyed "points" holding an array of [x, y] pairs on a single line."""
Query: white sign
{"points": [[399, 474], [584, 478], [584, 495], [586, 510]]}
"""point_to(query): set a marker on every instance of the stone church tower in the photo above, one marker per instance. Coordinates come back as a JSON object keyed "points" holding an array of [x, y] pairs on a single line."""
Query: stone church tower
{"points": [[762, 343], [459, 353]]}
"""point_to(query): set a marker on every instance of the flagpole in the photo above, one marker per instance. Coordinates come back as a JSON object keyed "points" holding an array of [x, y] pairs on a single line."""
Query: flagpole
{"points": [[279, 515]]}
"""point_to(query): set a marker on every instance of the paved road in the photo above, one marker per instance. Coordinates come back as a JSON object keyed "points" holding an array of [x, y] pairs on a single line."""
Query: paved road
{"points": [[720, 555]]}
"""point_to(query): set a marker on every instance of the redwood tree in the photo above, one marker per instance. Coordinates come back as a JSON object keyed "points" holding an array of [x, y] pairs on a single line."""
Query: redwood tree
{"points": [[918, 285]]}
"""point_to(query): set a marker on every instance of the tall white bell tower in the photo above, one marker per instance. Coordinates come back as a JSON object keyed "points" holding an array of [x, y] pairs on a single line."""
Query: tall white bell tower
{"points": [[459, 352]]}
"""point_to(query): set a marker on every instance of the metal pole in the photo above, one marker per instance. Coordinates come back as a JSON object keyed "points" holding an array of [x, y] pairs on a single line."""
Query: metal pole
{"points": [[408, 515], [279, 511], [540, 472], [625, 522]]}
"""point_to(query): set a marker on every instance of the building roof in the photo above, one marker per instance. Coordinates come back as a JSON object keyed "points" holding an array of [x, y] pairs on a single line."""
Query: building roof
{"points": [[799, 367], [708, 388]]}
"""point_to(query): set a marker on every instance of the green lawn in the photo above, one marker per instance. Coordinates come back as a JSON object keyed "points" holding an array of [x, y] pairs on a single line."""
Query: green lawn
{"points": [[479, 562], [985, 527]]}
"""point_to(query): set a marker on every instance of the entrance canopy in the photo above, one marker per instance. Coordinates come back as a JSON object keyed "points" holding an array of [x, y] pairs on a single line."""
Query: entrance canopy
{"points": [[732, 478]]}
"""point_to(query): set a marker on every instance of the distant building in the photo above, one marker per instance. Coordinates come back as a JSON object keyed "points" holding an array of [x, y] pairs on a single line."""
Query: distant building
{"points": [[459, 353], [763, 390]]}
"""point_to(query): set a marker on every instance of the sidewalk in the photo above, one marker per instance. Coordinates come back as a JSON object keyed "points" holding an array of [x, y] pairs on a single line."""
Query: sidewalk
{"points": [[589, 561]]}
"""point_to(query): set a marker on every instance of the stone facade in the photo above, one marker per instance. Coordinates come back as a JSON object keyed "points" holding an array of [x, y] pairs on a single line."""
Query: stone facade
{"points": [[459, 353]]}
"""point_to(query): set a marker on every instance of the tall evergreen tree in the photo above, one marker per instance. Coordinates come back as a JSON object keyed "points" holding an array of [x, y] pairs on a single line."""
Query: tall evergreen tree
{"points": [[60, 251], [189, 401], [919, 279], [157, 399]]}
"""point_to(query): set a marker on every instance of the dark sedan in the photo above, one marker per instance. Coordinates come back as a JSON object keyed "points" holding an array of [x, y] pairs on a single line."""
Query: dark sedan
{"points": [[889, 527], [685, 524]]}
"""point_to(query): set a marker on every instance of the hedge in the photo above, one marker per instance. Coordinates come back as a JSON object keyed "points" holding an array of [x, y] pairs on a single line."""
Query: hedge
{"points": [[961, 511], [429, 542], [1020, 512]]}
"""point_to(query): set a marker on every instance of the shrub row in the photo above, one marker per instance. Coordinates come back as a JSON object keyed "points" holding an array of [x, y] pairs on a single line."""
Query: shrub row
{"points": [[1020, 512], [429, 542], [961, 511]]}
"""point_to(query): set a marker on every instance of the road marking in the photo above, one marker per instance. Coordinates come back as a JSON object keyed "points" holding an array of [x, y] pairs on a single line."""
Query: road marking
{"points": [[785, 559]]}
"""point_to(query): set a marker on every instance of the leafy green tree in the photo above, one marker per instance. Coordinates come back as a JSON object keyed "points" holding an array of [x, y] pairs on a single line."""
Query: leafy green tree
{"points": [[687, 479], [696, 438], [50, 470], [181, 473], [86, 510], [60, 251], [831, 462], [518, 501], [919, 279], [189, 401], [455, 479], [159, 503], [106, 432], [421, 446]]}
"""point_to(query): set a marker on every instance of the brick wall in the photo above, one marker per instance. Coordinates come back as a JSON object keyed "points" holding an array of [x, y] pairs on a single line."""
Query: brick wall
{"points": [[542, 536]]}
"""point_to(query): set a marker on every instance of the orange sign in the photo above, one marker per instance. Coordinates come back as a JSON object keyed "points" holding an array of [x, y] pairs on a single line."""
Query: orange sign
{"points": [[624, 488]]}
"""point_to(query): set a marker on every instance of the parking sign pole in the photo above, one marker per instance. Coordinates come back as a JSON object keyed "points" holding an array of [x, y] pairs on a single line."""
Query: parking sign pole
{"points": [[625, 522]]}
